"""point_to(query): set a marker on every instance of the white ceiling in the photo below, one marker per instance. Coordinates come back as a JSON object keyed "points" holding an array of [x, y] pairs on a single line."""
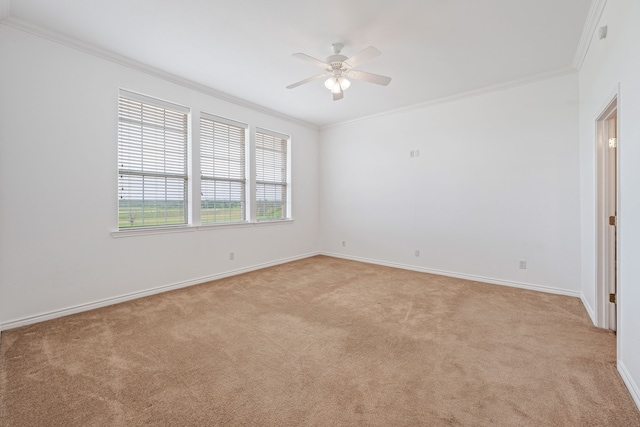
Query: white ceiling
{"points": [[431, 48]]}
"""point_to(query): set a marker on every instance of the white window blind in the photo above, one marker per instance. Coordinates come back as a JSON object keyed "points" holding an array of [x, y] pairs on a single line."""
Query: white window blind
{"points": [[152, 162], [271, 176], [223, 179]]}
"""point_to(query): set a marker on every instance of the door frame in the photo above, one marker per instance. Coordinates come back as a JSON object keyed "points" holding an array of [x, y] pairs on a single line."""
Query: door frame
{"points": [[603, 230]]}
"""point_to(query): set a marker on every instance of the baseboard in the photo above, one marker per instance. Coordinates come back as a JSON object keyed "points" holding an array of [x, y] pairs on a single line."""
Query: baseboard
{"points": [[590, 312], [529, 286], [634, 390], [140, 294]]}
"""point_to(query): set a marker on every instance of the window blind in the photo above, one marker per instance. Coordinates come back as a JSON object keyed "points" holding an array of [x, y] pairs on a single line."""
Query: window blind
{"points": [[271, 176], [152, 163], [222, 162]]}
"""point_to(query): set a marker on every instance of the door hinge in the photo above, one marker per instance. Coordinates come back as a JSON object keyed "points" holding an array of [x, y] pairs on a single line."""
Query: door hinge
{"points": [[613, 221], [612, 298]]}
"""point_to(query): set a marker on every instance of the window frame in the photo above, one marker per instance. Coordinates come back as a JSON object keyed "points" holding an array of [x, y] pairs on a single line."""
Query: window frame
{"points": [[182, 159], [243, 176], [284, 183]]}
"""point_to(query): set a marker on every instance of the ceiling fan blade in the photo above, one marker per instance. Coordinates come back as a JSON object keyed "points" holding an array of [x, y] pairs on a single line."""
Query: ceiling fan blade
{"points": [[310, 79], [311, 59], [364, 55], [338, 95], [369, 77]]}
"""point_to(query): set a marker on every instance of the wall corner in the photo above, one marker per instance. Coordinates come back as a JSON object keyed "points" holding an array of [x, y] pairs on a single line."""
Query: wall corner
{"points": [[595, 12], [590, 311], [5, 8]]}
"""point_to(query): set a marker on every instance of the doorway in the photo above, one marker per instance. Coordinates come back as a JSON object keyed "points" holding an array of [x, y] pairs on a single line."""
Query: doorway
{"points": [[607, 215]]}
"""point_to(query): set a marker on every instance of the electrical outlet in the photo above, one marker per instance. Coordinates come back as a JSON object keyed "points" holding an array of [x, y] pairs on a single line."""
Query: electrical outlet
{"points": [[417, 153], [411, 153], [231, 256], [344, 243], [523, 264], [417, 252]]}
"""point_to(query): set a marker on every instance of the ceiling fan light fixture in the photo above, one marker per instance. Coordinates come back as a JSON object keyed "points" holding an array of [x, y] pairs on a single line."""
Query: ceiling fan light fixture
{"points": [[335, 83]]}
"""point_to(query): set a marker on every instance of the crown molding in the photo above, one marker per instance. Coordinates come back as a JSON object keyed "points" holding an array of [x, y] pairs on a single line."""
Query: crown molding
{"points": [[144, 68], [5, 9], [453, 98], [595, 13]]}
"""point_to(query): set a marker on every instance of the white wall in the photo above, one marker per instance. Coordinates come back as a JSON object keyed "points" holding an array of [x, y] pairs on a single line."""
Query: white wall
{"points": [[58, 187], [497, 181], [609, 62]]}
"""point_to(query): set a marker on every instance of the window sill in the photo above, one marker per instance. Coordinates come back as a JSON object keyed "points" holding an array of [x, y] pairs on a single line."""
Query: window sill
{"points": [[154, 230], [274, 222], [191, 228], [209, 227]]}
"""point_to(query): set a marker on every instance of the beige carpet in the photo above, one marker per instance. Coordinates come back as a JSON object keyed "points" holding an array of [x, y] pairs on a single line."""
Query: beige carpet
{"points": [[320, 342]]}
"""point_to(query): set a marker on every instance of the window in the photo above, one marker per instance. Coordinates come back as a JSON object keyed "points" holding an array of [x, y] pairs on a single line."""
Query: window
{"points": [[222, 162], [152, 162], [154, 155], [271, 176]]}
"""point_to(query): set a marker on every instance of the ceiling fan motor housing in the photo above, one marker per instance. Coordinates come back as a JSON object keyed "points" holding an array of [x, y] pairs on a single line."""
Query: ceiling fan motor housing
{"points": [[336, 61]]}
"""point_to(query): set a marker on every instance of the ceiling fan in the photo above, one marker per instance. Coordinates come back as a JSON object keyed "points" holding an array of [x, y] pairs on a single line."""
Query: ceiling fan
{"points": [[338, 67]]}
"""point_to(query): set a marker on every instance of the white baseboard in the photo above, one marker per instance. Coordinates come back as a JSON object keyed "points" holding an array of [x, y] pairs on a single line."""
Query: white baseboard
{"points": [[529, 286], [590, 312], [634, 390], [140, 294]]}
